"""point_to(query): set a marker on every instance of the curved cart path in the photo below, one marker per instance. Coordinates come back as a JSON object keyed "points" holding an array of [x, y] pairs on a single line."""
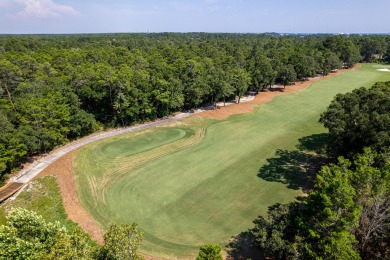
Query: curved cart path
{"points": [[31, 171], [62, 168]]}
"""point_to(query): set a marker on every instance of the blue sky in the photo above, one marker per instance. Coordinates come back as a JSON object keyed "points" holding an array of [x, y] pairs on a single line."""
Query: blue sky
{"points": [[256, 16]]}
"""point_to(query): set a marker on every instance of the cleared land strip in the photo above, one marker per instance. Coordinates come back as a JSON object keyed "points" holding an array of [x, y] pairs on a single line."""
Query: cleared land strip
{"points": [[27, 174]]}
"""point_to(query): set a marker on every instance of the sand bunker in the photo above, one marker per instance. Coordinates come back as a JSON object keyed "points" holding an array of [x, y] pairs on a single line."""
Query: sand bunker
{"points": [[385, 70]]}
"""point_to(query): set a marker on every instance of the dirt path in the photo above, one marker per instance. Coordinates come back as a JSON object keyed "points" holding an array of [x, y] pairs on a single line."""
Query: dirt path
{"points": [[62, 169], [59, 162], [262, 97], [33, 169]]}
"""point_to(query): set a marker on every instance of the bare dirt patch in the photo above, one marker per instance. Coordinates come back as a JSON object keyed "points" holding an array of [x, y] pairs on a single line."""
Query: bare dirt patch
{"points": [[62, 169], [262, 97]]}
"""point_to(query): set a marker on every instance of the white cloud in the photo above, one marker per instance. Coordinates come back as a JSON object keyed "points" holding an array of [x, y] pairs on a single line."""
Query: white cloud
{"points": [[43, 8]]}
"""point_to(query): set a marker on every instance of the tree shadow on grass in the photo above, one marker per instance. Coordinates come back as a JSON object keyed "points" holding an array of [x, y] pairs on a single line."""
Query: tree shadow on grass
{"points": [[314, 143], [241, 247], [244, 245], [297, 168]]}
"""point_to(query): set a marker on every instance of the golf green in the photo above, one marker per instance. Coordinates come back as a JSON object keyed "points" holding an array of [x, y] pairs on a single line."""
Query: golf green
{"points": [[199, 181]]}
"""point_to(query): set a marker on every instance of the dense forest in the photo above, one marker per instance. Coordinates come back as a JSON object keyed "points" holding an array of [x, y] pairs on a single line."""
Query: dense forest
{"points": [[56, 88]]}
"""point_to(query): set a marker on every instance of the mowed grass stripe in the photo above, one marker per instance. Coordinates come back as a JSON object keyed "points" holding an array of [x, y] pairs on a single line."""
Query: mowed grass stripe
{"points": [[124, 166], [154, 148], [208, 191]]}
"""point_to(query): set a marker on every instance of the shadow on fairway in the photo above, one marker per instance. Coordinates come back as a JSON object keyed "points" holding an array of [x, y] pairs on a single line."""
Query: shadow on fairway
{"points": [[241, 247], [297, 168]]}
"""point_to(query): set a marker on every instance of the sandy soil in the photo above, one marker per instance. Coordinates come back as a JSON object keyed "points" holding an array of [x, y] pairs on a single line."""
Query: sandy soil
{"points": [[262, 97], [62, 168]]}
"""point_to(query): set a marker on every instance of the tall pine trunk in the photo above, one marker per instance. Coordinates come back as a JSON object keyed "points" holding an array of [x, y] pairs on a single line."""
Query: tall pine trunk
{"points": [[9, 97]]}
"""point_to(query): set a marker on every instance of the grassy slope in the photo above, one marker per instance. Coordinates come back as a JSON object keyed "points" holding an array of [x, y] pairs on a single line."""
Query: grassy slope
{"points": [[43, 197], [209, 189]]}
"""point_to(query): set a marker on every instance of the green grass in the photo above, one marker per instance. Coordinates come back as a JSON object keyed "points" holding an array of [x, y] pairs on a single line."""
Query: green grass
{"points": [[43, 197], [203, 181]]}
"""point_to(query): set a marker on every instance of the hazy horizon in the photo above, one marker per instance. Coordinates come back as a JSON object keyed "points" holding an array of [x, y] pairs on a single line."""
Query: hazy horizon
{"points": [[210, 16]]}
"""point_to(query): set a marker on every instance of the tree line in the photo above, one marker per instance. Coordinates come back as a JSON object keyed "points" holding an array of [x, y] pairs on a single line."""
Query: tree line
{"points": [[56, 88]]}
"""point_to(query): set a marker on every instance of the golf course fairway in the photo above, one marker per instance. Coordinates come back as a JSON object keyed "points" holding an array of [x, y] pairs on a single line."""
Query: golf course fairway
{"points": [[198, 181]]}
